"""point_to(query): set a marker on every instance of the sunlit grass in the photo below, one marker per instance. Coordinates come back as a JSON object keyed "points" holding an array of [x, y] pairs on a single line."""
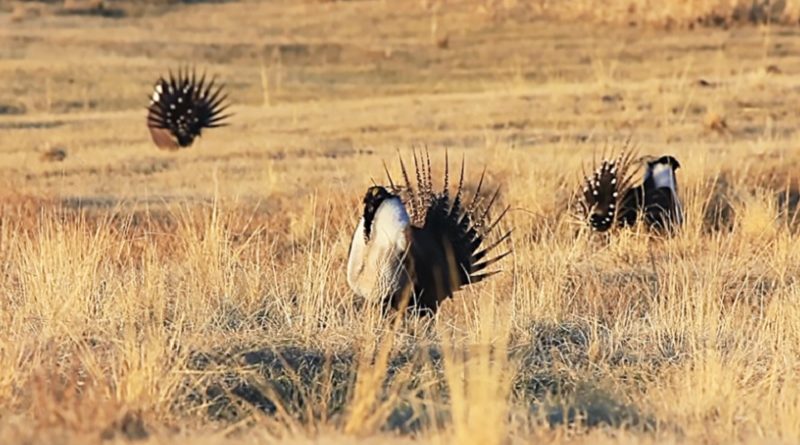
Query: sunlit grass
{"points": [[200, 296]]}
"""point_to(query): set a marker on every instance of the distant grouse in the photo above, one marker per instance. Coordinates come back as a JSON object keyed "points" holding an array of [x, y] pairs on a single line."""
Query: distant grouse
{"points": [[609, 199], [414, 247], [657, 197], [181, 107]]}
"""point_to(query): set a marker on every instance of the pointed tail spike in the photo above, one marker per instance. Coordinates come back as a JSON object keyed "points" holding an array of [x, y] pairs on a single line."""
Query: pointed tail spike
{"points": [[491, 203], [389, 176], [446, 185], [405, 173]]}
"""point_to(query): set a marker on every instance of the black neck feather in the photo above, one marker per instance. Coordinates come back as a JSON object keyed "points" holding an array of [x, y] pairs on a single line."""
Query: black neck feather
{"points": [[375, 196]]}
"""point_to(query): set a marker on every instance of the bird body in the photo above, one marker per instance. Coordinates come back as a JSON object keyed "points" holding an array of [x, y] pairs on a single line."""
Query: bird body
{"points": [[609, 199], [662, 206], [415, 247]]}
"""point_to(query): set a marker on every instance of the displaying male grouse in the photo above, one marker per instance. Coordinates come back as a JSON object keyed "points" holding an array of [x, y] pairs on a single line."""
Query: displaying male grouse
{"points": [[180, 107], [609, 199], [656, 199], [414, 247]]}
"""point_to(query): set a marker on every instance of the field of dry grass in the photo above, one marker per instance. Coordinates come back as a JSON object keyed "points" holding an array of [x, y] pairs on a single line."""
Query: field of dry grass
{"points": [[201, 295]]}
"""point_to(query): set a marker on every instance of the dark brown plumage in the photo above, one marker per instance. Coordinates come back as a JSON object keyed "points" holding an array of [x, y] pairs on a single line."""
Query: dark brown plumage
{"points": [[181, 107]]}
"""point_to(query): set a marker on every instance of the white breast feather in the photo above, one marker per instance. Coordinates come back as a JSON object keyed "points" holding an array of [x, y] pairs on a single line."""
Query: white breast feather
{"points": [[663, 176], [374, 266], [390, 225]]}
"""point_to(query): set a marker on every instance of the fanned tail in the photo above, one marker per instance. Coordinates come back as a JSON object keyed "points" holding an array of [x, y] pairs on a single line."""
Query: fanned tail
{"points": [[181, 106], [607, 192], [462, 231], [449, 236]]}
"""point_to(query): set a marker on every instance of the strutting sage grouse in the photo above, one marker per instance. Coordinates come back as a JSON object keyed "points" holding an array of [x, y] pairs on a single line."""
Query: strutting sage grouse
{"points": [[414, 247], [609, 198], [181, 107]]}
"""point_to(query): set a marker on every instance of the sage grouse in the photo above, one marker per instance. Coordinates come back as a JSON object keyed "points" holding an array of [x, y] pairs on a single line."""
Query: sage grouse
{"points": [[181, 107], [610, 199], [414, 247]]}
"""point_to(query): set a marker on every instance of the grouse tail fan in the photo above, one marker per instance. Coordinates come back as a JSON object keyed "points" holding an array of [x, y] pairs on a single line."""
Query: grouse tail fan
{"points": [[449, 238], [182, 106], [606, 195]]}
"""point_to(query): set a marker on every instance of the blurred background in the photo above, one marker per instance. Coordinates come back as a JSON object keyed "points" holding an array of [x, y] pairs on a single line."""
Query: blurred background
{"points": [[323, 83]]}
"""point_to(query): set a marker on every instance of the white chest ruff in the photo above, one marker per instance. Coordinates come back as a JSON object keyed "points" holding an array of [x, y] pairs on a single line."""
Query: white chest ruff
{"points": [[375, 268], [663, 176]]}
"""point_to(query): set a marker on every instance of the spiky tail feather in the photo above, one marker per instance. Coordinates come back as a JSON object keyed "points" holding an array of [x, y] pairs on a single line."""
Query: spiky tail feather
{"points": [[181, 107], [606, 194], [449, 237]]}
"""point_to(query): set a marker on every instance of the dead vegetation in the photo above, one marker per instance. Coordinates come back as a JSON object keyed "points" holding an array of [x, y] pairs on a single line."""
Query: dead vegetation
{"points": [[200, 295], [686, 14]]}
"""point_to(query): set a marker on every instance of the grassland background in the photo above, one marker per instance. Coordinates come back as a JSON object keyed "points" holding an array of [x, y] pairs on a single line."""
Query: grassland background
{"points": [[201, 295]]}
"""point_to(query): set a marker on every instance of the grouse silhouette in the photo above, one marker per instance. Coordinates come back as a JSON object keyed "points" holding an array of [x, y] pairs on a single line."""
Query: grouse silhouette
{"points": [[181, 107], [414, 247], [610, 199]]}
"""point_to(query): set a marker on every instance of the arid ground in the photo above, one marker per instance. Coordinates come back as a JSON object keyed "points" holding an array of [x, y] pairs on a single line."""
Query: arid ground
{"points": [[200, 295]]}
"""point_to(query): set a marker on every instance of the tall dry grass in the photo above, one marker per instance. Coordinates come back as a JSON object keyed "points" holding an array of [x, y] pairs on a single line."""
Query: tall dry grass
{"points": [[114, 328], [201, 297]]}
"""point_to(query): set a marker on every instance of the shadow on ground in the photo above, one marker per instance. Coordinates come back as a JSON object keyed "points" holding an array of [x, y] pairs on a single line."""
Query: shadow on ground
{"points": [[311, 386]]}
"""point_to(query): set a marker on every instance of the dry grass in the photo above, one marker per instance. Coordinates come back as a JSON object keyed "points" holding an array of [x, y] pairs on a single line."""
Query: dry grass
{"points": [[674, 13], [200, 295]]}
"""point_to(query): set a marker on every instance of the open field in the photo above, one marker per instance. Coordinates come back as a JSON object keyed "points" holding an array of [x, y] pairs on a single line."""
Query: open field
{"points": [[161, 297]]}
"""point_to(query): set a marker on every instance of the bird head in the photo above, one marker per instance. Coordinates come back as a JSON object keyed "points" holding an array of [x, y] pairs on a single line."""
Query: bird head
{"points": [[661, 170], [373, 199], [666, 160]]}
